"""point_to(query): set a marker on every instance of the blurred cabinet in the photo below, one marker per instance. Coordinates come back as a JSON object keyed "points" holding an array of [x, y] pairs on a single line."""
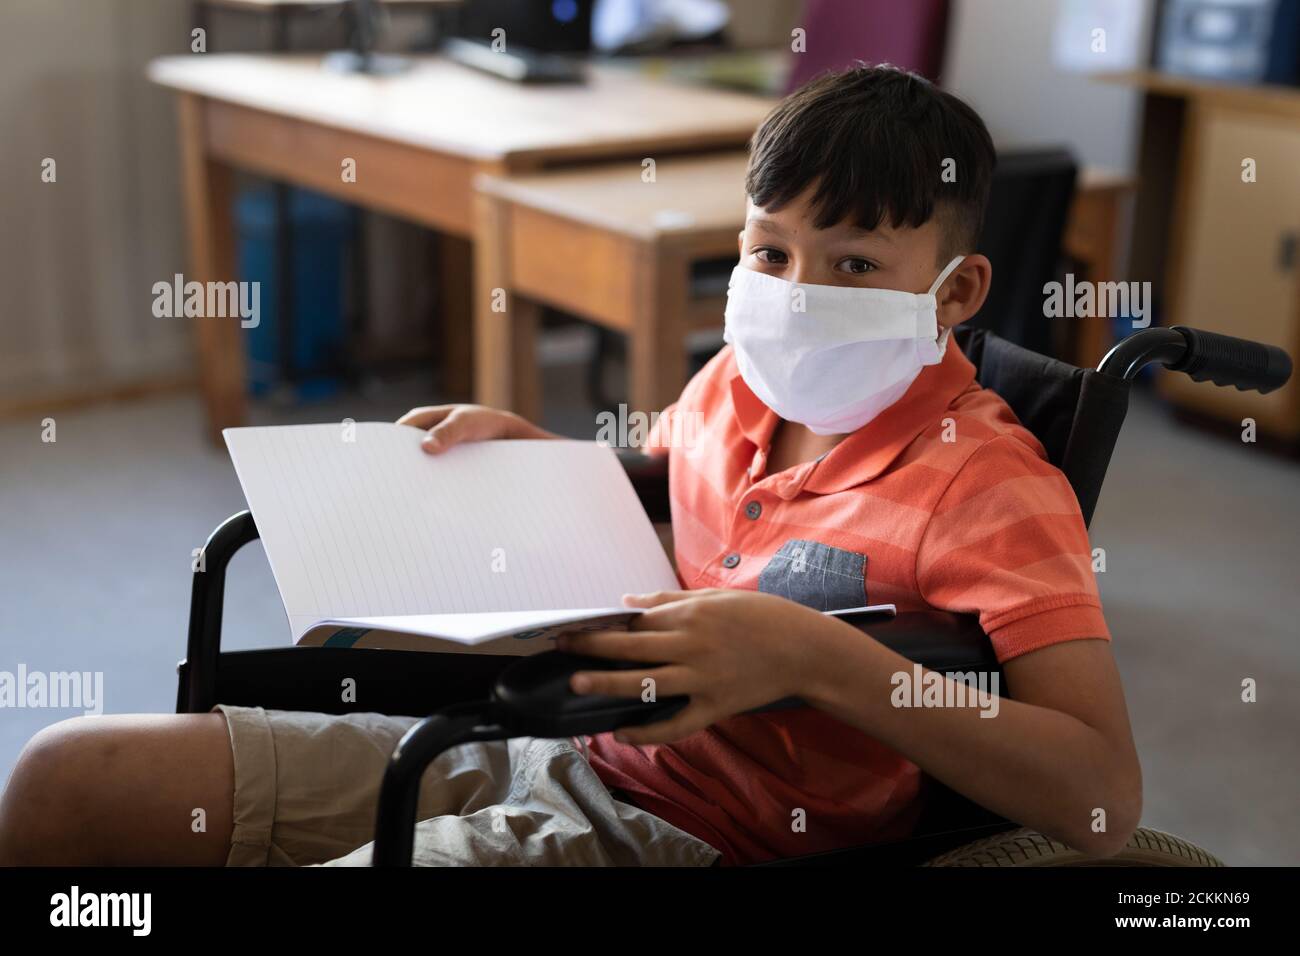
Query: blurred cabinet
{"points": [[1235, 268], [1224, 250]]}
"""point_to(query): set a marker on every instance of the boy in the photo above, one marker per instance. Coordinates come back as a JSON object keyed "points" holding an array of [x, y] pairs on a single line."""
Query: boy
{"points": [[846, 457]]}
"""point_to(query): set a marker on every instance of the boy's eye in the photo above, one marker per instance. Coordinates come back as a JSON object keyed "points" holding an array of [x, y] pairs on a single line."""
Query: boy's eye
{"points": [[773, 257], [856, 266]]}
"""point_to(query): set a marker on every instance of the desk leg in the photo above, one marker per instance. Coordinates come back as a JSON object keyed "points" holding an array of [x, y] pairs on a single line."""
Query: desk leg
{"points": [[209, 192], [505, 324], [1093, 237], [657, 341], [455, 301]]}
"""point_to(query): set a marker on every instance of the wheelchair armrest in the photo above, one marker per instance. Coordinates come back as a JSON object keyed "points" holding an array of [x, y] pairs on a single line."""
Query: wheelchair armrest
{"points": [[649, 477], [937, 640], [207, 594], [532, 698]]}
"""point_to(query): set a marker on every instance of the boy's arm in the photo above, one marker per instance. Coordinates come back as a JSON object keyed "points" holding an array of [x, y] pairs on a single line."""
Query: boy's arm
{"points": [[1007, 541], [1051, 758]]}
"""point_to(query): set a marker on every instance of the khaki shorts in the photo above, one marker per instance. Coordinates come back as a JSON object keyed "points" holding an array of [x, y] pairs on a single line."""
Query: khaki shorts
{"points": [[307, 788]]}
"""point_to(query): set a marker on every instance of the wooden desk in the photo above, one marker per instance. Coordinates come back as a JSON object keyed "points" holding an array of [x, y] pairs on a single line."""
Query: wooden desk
{"points": [[418, 140], [608, 246]]}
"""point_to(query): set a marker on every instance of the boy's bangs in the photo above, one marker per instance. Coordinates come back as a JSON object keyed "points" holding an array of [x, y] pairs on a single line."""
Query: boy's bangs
{"points": [[861, 194], [876, 145]]}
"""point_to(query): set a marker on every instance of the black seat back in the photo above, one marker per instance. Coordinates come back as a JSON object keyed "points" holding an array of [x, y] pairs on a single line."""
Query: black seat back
{"points": [[1076, 413], [1029, 205]]}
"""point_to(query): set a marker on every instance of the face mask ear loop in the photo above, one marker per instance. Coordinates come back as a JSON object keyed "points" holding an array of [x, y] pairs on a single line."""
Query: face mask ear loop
{"points": [[943, 276], [941, 342]]}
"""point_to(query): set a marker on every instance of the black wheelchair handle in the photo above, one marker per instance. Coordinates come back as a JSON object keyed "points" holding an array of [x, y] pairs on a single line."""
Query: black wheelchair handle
{"points": [[1227, 360]]}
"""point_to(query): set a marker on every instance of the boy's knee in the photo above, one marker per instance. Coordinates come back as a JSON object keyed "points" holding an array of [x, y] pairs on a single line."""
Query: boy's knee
{"points": [[49, 808]]}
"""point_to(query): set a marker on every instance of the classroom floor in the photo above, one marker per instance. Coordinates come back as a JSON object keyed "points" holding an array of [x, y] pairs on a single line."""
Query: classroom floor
{"points": [[1200, 588]]}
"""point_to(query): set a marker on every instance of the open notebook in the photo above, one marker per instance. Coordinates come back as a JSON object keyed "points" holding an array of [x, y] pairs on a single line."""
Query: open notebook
{"points": [[491, 546]]}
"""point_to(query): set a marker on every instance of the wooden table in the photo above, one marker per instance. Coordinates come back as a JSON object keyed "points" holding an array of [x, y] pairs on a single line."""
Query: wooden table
{"points": [[418, 141], [608, 246], [280, 14]]}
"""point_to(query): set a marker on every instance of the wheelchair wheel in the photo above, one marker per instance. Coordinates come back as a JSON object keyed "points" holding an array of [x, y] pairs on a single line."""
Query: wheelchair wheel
{"points": [[1146, 847]]}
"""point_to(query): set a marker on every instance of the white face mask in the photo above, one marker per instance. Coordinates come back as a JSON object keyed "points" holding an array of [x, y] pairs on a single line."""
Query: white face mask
{"points": [[830, 357]]}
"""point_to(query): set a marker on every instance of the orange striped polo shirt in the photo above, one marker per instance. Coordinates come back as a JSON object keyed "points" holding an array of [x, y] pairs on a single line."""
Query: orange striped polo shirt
{"points": [[943, 501]]}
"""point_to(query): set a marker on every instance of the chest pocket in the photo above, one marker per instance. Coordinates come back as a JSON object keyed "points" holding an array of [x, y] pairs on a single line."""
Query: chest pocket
{"points": [[816, 575]]}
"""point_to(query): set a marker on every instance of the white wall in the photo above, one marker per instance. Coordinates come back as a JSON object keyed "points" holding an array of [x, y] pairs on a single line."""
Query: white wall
{"points": [[78, 256], [1001, 59]]}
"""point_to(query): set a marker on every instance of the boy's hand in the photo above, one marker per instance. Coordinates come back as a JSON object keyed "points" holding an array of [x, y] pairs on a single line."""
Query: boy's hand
{"points": [[449, 425], [729, 650]]}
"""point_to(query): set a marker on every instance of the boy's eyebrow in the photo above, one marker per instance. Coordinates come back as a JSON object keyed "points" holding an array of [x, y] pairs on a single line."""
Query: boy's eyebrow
{"points": [[769, 224], [857, 232], [854, 232]]}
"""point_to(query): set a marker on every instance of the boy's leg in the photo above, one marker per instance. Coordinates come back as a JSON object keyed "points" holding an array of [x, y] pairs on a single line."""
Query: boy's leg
{"points": [[121, 790], [242, 786], [297, 788], [536, 802], [239, 786]]}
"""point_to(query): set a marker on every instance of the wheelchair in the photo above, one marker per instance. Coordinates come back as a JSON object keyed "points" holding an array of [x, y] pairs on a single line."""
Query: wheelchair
{"points": [[1076, 413]]}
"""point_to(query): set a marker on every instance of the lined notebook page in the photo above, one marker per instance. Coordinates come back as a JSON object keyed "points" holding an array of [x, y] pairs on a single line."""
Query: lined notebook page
{"points": [[376, 527]]}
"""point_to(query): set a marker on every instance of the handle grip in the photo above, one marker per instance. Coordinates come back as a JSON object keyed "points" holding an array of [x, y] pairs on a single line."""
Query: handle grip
{"points": [[1227, 360]]}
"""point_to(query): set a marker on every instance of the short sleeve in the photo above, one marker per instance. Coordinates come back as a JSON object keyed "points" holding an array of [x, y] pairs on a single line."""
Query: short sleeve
{"points": [[1007, 542]]}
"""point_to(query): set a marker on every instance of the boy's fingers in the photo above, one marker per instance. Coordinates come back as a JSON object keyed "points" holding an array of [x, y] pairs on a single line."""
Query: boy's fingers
{"points": [[456, 428], [655, 598], [441, 436], [470, 423], [426, 416], [663, 682]]}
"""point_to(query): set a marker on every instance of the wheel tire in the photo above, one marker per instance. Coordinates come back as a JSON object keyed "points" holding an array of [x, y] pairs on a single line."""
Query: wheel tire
{"points": [[1146, 847]]}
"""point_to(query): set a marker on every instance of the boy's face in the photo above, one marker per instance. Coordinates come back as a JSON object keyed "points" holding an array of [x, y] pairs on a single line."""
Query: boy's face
{"points": [[787, 245]]}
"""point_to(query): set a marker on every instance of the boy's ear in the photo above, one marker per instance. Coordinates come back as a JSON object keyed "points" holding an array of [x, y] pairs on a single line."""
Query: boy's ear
{"points": [[964, 291], [740, 243]]}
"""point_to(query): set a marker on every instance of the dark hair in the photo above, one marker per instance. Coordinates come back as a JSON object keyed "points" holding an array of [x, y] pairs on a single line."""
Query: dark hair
{"points": [[875, 140]]}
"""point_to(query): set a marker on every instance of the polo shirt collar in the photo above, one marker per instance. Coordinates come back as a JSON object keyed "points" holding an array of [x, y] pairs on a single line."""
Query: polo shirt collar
{"points": [[867, 452]]}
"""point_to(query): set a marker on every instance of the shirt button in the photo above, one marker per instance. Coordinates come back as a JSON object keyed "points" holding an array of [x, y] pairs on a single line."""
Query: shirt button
{"points": [[731, 560], [753, 510]]}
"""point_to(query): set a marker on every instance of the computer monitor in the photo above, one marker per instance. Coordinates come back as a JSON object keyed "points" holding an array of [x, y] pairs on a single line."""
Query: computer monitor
{"points": [[553, 26]]}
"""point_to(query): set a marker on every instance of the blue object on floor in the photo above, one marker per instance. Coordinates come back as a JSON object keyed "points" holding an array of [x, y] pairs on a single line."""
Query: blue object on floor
{"points": [[322, 234]]}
